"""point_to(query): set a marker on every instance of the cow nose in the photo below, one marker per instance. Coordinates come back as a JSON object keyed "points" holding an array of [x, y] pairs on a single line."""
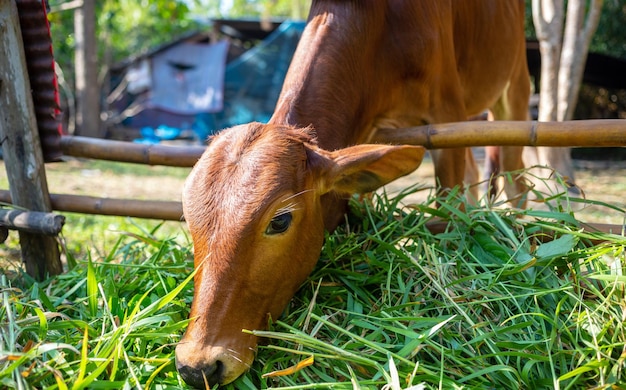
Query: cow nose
{"points": [[202, 377], [199, 364]]}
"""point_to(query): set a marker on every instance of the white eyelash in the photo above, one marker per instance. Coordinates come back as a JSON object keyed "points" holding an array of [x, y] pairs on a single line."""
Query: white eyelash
{"points": [[297, 194], [287, 209], [291, 207]]}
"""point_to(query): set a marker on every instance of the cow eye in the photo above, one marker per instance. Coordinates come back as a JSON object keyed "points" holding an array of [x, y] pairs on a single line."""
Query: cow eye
{"points": [[279, 224]]}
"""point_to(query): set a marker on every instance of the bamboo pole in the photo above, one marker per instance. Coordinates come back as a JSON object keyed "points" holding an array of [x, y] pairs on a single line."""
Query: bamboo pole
{"points": [[173, 156], [597, 132], [605, 132], [36, 222], [4, 234], [150, 209], [447, 135]]}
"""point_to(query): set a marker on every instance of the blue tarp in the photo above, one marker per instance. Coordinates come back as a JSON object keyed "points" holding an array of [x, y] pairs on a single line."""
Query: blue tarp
{"points": [[189, 78], [252, 83]]}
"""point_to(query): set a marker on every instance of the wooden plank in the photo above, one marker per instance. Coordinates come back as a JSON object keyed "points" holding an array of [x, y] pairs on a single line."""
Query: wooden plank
{"points": [[21, 147]]}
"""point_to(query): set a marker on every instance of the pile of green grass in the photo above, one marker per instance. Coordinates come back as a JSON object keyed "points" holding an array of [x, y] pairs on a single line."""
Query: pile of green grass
{"points": [[500, 299]]}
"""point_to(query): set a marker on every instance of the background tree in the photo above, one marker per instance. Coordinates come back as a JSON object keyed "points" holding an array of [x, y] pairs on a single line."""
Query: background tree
{"points": [[86, 71], [294, 9], [122, 28], [564, 34]]}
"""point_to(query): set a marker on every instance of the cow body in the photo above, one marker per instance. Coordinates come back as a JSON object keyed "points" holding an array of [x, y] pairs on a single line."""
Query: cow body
{"points": [[259, 199]]}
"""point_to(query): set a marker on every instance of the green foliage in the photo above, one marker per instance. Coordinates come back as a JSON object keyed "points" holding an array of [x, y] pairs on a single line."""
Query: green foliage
{"points": [[124, 28], [297, 9], [132, 27], [499, 298], [610, 37], [488, 303], [110, 323]]}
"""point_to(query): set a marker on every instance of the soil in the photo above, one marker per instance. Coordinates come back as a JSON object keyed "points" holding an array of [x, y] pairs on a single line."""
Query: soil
{"points": [[80, 177]]}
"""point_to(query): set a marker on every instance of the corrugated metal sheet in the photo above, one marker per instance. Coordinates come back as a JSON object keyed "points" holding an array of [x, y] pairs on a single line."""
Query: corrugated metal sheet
{"points": [[40, 62]]}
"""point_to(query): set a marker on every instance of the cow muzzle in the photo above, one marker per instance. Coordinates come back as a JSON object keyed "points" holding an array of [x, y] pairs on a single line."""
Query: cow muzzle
{"points": [[202, 365]]}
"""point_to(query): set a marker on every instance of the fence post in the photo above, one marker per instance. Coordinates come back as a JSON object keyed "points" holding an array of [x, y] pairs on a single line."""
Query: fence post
{"points": [[21, 147]]}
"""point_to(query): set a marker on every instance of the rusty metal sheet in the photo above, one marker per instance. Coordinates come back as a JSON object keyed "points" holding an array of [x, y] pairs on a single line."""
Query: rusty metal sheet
{"points": [[40, 63]]}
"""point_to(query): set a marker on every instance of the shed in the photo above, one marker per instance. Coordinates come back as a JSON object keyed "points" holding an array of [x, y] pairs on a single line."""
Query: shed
{"points": [[205, 81]]}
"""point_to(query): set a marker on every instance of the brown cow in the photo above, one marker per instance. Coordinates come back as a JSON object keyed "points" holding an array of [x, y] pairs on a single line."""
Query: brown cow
{"points": [[259, 199]]}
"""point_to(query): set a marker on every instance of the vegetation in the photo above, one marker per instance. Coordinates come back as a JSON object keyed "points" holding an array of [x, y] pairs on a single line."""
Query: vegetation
{"points": [[124, 28], [131, 27], [127, 28], [610, 37], [499, 299]]}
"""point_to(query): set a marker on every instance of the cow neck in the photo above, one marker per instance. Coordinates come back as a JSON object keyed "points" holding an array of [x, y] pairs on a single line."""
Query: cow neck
{"points": [[329, 85]]}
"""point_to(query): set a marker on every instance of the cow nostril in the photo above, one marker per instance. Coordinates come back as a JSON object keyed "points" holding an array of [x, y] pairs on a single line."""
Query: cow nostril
{"points": [[199, 377], [217, 371]]}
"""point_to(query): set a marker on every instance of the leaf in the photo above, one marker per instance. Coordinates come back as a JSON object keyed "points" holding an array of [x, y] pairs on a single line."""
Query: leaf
{"points": [[291, 370], [393, 373], [556, 248], [92, 288]]}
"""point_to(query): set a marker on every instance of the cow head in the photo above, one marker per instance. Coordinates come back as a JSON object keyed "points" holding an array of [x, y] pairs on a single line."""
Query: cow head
{"points": [[257, 204]]}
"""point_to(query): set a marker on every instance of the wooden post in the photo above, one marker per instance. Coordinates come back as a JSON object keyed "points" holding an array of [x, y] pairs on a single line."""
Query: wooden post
{"points": [[86, 71], [21, 147]]}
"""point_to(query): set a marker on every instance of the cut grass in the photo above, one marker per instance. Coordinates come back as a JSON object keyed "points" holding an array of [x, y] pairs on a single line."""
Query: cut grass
{"points": [[488, 303]]}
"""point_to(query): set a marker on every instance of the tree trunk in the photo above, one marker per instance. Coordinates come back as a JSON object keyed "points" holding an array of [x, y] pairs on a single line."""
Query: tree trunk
{"points": [[576, 42], [87, 90], [548, 19], [563, 57]]}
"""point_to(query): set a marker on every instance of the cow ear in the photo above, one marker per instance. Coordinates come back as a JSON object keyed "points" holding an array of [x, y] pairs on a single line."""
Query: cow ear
{"points": [[364, 168]]}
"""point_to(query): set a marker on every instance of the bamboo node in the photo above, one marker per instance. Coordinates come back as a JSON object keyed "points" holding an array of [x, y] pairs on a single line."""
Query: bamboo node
{"points": [[429, 131], [533, 134]]}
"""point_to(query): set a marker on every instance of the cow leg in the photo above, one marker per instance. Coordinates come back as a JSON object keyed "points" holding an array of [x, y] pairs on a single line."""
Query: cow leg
{"points": [[512, 105], [449, 167], [492, 170], [454, 166], [472, 175]]}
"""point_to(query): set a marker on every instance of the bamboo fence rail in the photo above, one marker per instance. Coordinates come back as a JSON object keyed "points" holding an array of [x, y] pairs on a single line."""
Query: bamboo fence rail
{"points": [[150, 209], [605, 132], [446, 135], [121, 151], [35, 222], [434, 136], [590, 133]]}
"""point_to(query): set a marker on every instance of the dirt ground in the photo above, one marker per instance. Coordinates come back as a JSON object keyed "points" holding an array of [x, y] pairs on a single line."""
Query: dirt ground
{"points": [[600, 181], [79, 177]]}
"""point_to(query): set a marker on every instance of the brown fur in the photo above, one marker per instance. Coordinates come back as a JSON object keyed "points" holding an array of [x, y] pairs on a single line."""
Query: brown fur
{"points": [[361, 65]]}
